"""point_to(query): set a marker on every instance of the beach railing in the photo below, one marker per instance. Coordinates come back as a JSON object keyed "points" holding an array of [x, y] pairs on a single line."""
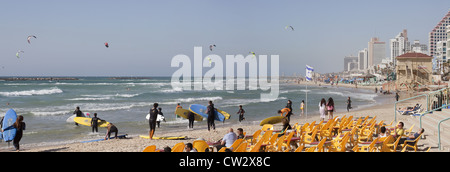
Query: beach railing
{"points": [[439, 132], [428, 98], [395, 104]]}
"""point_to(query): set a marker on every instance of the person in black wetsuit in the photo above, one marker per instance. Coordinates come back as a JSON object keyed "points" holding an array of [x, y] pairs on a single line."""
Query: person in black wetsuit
{"points": [[211, 115], [94, 123], [152, 121], [78, 113], [20, 126], [191, 117], [241, 113]]}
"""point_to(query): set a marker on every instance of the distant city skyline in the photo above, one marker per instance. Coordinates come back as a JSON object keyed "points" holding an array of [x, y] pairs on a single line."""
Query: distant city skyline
{"points": [[144, 36]]}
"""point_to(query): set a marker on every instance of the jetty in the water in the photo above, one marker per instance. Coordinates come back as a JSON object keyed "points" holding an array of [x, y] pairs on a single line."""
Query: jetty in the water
{"points": [[37, 78]]}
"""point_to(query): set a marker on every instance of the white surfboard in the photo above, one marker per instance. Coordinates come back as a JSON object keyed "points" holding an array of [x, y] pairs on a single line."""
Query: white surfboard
{"points": [[71, 118]]}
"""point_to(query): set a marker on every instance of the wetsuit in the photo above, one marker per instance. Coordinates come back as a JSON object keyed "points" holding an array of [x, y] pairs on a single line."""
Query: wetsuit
{"points": [[153, 115], [191, 117], [19, 133], [78, 114], [211, 116], [112, 128], [241, 114], [94, 124]]}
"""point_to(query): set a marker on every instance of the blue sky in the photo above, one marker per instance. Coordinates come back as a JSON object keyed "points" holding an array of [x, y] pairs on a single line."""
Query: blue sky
{"points": [[144, 35]]}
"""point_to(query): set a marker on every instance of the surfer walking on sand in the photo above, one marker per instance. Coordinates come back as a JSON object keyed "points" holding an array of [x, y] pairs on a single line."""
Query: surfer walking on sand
{"points": [[211, 115], [152, 121]]}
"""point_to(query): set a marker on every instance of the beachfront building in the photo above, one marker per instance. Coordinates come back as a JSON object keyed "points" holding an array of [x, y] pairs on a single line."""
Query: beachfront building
{"points": [[441, 56], [376, 52], [399, 45], [448, 41], [350, 63], [439, 33], [414, 68]]}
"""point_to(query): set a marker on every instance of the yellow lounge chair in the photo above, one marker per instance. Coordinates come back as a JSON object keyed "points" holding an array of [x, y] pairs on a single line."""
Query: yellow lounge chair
{"points": [[179, 147], [151, 148], [200, 145], [415, 141]]}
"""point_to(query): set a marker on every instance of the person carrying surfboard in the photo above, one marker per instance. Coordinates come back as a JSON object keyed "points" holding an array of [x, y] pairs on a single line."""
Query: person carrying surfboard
{"points": [[152, 120], [284, 112], [20, 126], [160, 117], [78, 113], [211, 115]]}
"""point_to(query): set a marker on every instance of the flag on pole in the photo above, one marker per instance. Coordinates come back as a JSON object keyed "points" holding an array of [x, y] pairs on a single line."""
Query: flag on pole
{"points": [[309, 71]]}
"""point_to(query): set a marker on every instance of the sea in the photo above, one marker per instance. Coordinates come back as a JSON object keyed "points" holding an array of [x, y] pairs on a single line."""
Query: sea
{"points": [[46, 105]]}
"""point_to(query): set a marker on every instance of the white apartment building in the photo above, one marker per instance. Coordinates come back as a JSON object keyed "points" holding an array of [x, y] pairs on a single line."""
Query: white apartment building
{"points": [[399, 45], [439, 34], [363, 59]]}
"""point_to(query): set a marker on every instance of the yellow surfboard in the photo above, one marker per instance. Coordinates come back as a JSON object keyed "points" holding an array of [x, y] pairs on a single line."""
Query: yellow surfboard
{"points": [[87, 121], [184, 114], [272, 120], [225, 114], [164, 138]]}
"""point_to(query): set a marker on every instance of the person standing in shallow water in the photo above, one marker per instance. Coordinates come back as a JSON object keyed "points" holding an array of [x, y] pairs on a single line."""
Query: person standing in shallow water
{"points": [[349, 104], [20, 126]]}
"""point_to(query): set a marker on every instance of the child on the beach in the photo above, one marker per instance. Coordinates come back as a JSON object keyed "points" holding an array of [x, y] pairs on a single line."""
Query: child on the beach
{"points": [[241, 113], [302, 106]]}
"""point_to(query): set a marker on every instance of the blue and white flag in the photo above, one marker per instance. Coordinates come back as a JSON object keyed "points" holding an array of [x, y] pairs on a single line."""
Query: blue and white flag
{"points": [[309, 71]]}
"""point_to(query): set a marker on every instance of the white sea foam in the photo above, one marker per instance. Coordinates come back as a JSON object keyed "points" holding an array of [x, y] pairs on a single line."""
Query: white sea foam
{"points": [[53, 90]]}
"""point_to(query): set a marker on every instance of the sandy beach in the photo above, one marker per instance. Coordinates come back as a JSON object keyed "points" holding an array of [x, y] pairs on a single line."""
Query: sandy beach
{"points": [[383, 109]]}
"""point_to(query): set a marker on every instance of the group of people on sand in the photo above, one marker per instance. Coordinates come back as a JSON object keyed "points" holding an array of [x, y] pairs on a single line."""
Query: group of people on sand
{"points": [[191, 117], [325, 107]]}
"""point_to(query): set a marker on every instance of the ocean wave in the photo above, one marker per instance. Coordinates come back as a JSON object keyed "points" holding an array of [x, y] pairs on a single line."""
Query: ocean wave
{"points": [[352, 95], [102, 97], [53, 90]]}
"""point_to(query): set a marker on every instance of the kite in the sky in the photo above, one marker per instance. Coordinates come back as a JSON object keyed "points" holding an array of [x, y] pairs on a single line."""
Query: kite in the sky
{"points": [[29, 38], [210, 61], [251, 52], [211, 47], [17, 54], [287, 27], [106, 45]]}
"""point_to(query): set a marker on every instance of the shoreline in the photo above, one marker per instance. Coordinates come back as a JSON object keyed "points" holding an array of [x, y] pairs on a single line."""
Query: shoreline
{"points": [[382, 108]]}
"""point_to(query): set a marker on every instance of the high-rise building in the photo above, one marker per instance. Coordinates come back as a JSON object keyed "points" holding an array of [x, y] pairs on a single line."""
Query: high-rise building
{"points": [[362, 59], [399, 45], [419, 48], [376, 52], [350, 63], [448, 40], [439, 34]]}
